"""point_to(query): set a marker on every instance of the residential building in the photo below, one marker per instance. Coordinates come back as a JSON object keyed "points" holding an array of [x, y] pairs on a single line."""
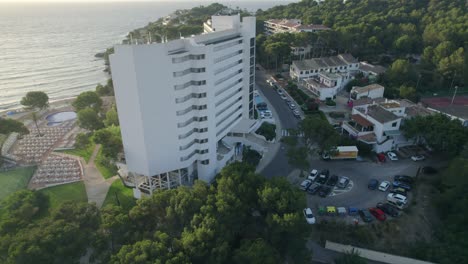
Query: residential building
{"points": [[374, 125], [273, 26], [325, 85], [371, 71], [371, 91], [343, 63], [377, 122], [177, 101]]}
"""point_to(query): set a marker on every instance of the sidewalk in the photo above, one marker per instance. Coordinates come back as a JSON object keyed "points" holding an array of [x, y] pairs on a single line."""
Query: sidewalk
{"points": [[96, 186]]}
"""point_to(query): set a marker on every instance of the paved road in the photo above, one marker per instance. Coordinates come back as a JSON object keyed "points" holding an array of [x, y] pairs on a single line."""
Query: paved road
{"points": [[279, 165]]}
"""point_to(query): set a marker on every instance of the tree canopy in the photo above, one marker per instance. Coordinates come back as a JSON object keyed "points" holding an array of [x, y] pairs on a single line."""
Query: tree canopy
{"points": [[88, 99], [8, 125], [241, 218], [35, 100], [439, 132], [89, 119]]}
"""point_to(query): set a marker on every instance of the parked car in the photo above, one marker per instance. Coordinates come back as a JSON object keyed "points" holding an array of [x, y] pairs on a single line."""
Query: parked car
{"points": [[404, 178], [399, 184], [292, 106], [313, 175], [418, 157], [372, 185], [384, 186], [313, 189], [323, 177], [296, 113], [381, 157], [283, 97], [279, 91], [343, 182], [365, 215], [395, 197], [429, 170], [324, 191], [400, 191], [377, 213], [305, 184], [309, 216], [392, 156], [389, 209], [332, 181]]}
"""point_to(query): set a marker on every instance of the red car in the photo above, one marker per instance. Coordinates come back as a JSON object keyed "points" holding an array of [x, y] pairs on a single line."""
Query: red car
{"points": [[377, 213]]}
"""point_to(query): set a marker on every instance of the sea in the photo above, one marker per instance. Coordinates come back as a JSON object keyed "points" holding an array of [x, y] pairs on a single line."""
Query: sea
{"points": [[50, 47]]}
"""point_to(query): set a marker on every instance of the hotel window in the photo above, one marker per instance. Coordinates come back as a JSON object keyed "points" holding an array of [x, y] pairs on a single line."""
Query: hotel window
{"points": [[394, 124], [205, 162]]}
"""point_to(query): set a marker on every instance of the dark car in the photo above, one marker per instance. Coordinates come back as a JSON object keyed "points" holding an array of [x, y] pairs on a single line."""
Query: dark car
{"points": [[324, 191], [404, 178], [313, 189], [333, 180], [429, 170], [372, 185], [400, 190], [399, 184], [366, 215], [389, 209], [323, 177]]}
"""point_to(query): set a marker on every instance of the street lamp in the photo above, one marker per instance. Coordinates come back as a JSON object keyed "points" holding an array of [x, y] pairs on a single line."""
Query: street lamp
{"points": [[454, 94]]}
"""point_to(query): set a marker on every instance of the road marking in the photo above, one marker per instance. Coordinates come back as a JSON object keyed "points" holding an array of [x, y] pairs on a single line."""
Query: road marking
{"points": [[287, 133], [341, 191]]}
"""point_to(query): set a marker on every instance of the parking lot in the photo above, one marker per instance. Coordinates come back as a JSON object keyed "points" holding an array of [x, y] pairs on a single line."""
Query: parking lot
{"points": [[356, 194]]}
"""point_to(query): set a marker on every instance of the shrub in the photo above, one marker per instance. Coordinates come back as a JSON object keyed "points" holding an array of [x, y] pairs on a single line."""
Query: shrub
{"points": [[267, 130], [330, 102], [337, 114], [251, 156]]}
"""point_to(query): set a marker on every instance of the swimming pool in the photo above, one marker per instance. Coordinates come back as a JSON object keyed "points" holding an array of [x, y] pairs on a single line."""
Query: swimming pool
{"points": [[60, 117]]}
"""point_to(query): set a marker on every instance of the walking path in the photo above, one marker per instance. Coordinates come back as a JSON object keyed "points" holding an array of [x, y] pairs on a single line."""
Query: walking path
{"points": [[96, 185]]}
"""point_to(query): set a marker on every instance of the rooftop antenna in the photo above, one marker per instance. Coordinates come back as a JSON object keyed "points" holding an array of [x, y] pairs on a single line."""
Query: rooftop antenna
{"points": [[180, 35]]}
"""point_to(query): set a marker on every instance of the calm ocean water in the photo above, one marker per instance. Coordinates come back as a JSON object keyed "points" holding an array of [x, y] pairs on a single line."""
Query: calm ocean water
{"points": [[51, 47]]}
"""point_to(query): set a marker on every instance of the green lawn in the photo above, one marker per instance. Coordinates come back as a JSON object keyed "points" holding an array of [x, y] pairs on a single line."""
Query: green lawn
{"points": [[67, 192], [107, 170], [14, 180], [124, 194], [84, 153]]}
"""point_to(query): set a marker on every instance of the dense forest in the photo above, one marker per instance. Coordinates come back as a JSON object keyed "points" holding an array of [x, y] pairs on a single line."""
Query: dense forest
{"points": [[242, 218], [431, 35]]}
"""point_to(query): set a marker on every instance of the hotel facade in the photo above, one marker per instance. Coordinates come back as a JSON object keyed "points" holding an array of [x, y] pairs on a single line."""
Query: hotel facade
{"points": [[178, 101]]}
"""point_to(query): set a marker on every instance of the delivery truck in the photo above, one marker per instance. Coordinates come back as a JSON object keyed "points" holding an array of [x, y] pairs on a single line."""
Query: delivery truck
{"points": [[341, 152]]}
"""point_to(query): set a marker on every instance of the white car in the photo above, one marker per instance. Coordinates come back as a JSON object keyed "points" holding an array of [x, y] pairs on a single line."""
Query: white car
{"points": [[392, 156], [266, 114], [309, 216], [418, 157], [306, 184], [396, 198], [384, 186], [313, 175]]}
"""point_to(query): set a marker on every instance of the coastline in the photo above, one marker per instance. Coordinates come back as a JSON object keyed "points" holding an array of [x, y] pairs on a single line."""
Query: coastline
{"points": [[19, 111]]}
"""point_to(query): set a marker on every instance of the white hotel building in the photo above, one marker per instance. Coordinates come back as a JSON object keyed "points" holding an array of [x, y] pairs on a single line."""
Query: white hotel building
{"points": [[177, 101]]}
